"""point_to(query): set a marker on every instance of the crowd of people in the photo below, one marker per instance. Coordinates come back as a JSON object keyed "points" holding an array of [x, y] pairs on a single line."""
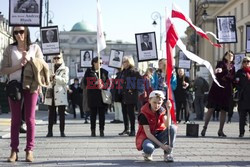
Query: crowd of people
{"points": [[132, 93]]}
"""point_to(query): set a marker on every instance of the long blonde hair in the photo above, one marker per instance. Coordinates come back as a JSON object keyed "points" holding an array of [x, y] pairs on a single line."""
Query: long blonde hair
{"points": [[130, 60]]}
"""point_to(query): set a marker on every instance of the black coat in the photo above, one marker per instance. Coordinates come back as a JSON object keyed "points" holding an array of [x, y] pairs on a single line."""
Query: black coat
{"points": [[133, 83], [180, 93], [76, 95], [243, 86], [93, 93]]}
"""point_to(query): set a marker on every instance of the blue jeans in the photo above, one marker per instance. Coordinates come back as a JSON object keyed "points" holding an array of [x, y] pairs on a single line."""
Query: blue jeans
{"points": [[148, 146]]}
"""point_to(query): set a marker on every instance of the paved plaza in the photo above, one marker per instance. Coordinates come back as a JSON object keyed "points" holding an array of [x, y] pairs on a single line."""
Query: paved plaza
{"points": [[79, 149]]}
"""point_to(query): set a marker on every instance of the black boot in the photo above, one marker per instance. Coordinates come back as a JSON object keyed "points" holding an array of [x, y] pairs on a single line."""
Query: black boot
{"points": [[101, 133], [132, 133], [63, 134], [125, 132], [93, 133], [203, 132], [50, 134]]}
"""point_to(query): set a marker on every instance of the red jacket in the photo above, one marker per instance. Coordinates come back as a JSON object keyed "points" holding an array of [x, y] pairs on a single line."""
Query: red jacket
{"points": [[156, 123]]}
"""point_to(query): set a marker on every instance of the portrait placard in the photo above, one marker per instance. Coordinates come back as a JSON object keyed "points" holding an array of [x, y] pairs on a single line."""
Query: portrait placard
{"points": [[25, 12], [238, 60], [86, 58], [248, 39], [115, 58], [183, 61], [50, 40], [146, 46], [226, 29], [79, 70]]}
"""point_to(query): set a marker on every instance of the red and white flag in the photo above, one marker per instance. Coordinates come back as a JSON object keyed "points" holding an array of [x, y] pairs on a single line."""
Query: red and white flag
{"points": [[177, 13], [171, 40], [101, 44]]}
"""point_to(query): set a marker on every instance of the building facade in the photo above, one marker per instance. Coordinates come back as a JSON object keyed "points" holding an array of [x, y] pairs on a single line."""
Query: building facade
{"points": [[5, 36], [83, 37]]}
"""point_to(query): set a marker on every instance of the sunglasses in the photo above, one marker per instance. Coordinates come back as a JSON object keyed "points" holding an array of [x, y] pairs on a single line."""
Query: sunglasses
{"points": [[19, 32], [246, 61], [56, 58]]}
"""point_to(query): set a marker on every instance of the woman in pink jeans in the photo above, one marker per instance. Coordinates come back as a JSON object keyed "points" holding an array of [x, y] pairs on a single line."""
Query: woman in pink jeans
{"points": [[15, 57]]}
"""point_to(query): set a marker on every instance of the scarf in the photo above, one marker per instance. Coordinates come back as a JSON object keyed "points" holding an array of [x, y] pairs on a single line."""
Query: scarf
{"points": [[247, 71]]}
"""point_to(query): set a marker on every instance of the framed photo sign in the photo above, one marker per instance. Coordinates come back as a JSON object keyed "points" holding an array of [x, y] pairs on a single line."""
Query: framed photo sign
{"points": [[50, 40], [86, 58], [25, 12], [226, 29], [183, 61], [115, 58], [146, 46]]}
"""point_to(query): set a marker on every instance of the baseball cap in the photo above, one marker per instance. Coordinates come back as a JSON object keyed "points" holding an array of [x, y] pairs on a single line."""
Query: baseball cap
{"points": [[157, 93]]}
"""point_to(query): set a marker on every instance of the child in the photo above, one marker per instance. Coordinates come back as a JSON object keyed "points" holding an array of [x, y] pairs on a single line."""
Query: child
{"points": [[153, 128]]}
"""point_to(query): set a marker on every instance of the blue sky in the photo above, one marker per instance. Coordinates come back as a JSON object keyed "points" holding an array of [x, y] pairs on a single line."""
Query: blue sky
{"points": [[121, 18]]}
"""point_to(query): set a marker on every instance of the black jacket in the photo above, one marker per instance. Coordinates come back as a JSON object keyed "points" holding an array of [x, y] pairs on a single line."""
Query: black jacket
{"points": [[76, 95], [132, 85], [243, 86], [93, 93]]}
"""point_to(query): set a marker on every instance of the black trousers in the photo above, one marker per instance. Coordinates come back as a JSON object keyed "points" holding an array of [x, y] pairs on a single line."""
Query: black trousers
{"points": [[128, 111], [243, 118], [80, 107], [179, 105], [52, 115], [101, 113]]}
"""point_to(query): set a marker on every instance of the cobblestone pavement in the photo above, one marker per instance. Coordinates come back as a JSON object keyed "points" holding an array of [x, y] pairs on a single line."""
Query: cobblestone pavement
{"points": [[79, 149]]}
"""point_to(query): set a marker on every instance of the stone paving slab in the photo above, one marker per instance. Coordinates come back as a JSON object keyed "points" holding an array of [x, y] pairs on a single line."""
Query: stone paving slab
{"points": [[79, 149]]}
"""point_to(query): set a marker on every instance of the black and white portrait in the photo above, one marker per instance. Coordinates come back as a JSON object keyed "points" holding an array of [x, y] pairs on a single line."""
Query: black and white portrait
{"points": [[238, 60], [146, 46], [146, 43], [115, 58], [226, 29], [25, 12], [49, 40], [248, 39], [86, 57], [183, 61]]}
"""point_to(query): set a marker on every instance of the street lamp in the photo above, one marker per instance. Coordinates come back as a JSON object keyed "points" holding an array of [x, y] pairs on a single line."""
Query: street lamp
{"points": [[200, 7], [48, 14], [155, 16]]}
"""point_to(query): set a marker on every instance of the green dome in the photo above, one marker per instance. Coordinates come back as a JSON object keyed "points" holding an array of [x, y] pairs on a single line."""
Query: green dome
{"points": [[83, 27]]}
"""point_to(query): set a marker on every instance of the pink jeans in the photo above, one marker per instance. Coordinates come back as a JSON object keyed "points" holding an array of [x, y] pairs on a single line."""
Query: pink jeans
{"points": [[30, 100]]}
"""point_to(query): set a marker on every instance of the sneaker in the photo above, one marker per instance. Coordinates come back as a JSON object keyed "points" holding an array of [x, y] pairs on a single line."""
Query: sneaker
{"points": [[147, 157], [168, 158]]}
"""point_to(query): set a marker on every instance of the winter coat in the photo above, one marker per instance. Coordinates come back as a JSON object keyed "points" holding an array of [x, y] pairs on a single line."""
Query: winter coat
{"points": [[243, 86], [180, 93], [132, 85], [93, 93], [60, 87], [156, 123], [218, 96]]}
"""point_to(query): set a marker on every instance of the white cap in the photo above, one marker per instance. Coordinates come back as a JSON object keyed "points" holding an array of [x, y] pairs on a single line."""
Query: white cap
{"points": [[157, 93]]}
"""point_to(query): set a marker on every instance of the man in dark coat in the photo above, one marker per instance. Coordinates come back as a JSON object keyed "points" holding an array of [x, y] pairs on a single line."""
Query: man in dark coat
{"points": [[76, 97]]}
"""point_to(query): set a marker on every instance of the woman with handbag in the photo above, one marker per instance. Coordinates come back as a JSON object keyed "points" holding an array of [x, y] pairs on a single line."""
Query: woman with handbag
{"points": [[242, 80], [15, 57], [94, 85], [56, 94], [219, 98]]}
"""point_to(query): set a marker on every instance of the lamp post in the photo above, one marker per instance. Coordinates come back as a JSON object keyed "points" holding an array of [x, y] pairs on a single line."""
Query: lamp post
{"points": [[200, 11], [155, 16], [47, 14]]}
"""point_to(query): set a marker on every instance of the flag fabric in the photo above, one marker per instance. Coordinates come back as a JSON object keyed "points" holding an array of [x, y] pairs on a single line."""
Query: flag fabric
{"points": [[171, 40], [101, 44], [177, 13]]}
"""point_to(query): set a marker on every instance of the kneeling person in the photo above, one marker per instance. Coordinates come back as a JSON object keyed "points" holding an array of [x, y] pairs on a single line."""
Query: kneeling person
{"points": [[153, 128]]}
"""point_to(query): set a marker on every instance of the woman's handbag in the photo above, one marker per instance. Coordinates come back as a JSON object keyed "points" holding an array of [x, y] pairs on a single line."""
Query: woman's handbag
{"points": [[106, 96], [14, 90], [49, 93]]}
